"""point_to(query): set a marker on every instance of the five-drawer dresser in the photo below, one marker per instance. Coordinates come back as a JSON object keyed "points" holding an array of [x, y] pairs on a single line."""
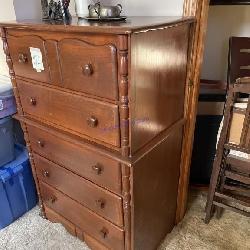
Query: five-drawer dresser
{"points": [[102, 107]]}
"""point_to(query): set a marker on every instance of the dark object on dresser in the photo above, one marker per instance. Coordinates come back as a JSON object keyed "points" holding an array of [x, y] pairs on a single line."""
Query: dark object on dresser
{"points": [[56, 10], [102, 109]]}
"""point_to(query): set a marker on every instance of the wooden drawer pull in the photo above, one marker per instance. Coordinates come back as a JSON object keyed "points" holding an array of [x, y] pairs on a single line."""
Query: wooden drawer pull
{"points": [[33, 101], [46, 173], [104, 233], [87, 69], [52, 199], [101, 203], [97, 169], [22, 58], [40, 143], [92, 122]]}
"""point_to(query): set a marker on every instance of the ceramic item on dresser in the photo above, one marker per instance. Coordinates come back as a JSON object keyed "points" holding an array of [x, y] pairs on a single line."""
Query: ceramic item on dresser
{"points": [[82, 7], [104, 11]]}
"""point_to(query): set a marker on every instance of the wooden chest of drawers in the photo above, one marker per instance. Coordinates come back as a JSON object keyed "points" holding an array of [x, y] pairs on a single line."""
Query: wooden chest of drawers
{"points": [[102, 107]]}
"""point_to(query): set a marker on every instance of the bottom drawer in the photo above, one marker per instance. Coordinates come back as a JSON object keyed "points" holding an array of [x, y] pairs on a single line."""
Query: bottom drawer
{"points": [[102, 230], [72, 229]]}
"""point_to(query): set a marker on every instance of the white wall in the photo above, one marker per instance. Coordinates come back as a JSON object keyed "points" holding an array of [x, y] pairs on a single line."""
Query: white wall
{"points": [[223, 22], [145, 7], [27, 9]]}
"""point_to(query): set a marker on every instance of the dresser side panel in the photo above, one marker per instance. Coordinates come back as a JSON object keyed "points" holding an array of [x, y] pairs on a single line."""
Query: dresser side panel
{"points": [[158, 77], [155, 186]]}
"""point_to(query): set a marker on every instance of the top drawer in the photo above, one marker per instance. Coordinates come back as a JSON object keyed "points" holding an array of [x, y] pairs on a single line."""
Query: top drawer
{"points": [[69, 63], [20, 52]]}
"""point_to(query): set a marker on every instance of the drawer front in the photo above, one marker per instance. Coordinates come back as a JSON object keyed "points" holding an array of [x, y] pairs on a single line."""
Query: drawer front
{"points": [[20, 53], [91, 196], [77, 114], [93, 166], [102, 230], [93, 67]]}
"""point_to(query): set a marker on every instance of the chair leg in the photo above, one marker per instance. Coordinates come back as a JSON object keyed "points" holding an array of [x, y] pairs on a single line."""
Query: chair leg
{"points": [[214, 182], [219, 210]]}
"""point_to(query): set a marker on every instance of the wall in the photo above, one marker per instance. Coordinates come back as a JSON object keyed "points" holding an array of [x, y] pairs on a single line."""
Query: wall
{"points": [[28, 9], [223, 22], [145, 7]]}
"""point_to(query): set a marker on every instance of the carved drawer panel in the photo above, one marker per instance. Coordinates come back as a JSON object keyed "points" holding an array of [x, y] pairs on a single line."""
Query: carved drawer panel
{"points": [[91, 196], [21, 54], [101, 229], [82, 116], [88, 164], [93, 67], [69, 63]]}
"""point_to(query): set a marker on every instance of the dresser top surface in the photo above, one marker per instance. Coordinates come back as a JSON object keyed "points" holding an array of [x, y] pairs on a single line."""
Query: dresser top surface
{"points": [[131, 25]]}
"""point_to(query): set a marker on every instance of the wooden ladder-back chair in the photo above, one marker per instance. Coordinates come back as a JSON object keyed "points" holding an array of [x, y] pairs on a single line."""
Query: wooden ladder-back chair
{"points": [[238, 58], [230, 180]]}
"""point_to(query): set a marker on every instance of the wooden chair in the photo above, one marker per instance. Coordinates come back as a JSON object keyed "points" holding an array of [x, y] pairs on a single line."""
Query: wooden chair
{"points": [[230, 180], [238, 58]]}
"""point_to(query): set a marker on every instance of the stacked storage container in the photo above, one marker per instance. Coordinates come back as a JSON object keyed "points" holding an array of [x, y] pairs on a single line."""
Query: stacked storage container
{"points": [[17, 188], [7, 108]]}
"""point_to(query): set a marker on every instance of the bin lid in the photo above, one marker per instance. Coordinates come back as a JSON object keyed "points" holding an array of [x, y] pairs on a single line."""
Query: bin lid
{"points": [[5, 90], [5, 119], [15, 167]]}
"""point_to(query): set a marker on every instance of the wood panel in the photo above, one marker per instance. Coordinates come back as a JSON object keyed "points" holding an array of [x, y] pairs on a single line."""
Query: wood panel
{"points": [[155, 187], [158, 79], [94, 67], [198, 9], [21, 57], [91, 165], [91, 196], [83, 116], [104, 231]]}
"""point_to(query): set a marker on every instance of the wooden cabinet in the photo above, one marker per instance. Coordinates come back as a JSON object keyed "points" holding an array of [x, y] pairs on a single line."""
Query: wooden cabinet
{"points": [[103, 111]]}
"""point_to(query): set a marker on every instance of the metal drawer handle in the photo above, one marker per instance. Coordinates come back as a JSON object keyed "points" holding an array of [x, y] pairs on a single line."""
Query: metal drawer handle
{"points": [[46, 173], [92, 122], [87, 69], [101, 203], [97, 169], [40, 143], [22, 58], [33, 101], [104, 233]]}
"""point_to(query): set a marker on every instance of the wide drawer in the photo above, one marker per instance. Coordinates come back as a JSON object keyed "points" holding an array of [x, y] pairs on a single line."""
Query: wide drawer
{"points": [[91, 196], [87, 163], [101, 229], [83, 116]]}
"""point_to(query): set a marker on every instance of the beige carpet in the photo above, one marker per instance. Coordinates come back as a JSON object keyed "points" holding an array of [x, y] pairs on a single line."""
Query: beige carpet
{"points": [[231, 232]]}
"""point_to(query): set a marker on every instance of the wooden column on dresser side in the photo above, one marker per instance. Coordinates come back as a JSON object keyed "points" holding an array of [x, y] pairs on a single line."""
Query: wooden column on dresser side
{"points": [[123, 78], [20, 111]]}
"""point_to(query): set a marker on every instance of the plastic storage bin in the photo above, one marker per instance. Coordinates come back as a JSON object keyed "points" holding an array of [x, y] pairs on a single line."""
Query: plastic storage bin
{"points": [[17, 188], [6, 141], [7, 101]]}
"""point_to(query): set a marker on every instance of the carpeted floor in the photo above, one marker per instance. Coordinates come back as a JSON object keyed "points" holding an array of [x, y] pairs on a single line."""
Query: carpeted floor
{"points": [[231, 232]]}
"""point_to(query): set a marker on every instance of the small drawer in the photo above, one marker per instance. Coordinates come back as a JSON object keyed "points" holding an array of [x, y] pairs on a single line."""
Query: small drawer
{"points": [[101, 229], [76, 114], [99, 200], [93, 67], [91, 165], [20, 52]]}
